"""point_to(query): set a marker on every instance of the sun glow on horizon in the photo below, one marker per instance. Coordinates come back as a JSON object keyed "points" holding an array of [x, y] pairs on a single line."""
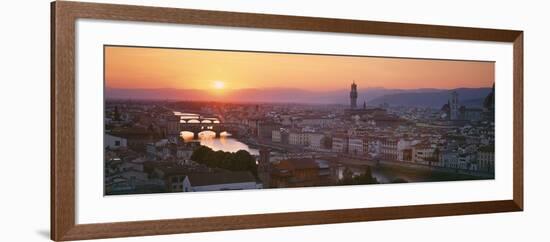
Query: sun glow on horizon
{"points": [[221, 72], [219, 85]]}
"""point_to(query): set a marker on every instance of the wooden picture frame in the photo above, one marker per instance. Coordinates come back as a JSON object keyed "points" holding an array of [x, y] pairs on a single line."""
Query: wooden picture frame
{"points": [[63, 17]]}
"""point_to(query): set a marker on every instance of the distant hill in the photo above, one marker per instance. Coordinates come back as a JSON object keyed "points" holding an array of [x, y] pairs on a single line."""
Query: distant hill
{"points": [[373, 96], [470, 97]]}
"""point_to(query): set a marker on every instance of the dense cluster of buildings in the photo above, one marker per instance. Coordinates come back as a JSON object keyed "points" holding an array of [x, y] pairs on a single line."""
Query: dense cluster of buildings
{"points": [[299, 144], [455, 136]]}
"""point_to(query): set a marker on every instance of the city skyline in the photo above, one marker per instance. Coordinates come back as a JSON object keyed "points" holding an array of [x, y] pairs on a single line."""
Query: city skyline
{"points": [[374, 96], [220, 73], [235, 120]]}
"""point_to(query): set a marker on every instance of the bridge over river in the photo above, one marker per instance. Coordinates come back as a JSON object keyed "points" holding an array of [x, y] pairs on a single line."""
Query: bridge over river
{"points": [[197, 123]]}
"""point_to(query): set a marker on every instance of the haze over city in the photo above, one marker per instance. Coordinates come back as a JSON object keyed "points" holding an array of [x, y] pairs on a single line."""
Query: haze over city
{"points": [[151, 73], [198, 120]]}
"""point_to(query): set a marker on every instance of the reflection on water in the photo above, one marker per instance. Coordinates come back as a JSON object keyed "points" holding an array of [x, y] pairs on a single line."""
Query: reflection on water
{"points": [[224, 143]]}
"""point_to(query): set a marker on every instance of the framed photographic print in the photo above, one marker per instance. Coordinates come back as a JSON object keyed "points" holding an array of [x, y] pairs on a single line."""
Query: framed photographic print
{"points": [[172, 120]]}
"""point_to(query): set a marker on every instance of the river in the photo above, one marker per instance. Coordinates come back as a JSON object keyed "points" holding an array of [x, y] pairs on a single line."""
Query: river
{"points": [[390, 174], [384, 174], [224, 143]]}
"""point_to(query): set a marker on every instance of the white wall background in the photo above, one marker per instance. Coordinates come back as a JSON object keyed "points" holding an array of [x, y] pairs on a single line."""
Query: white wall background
{"points": [[24, 139]]}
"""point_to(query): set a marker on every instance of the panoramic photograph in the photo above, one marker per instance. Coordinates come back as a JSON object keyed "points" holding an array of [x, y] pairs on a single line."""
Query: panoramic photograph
{"points": [[193, 120]]}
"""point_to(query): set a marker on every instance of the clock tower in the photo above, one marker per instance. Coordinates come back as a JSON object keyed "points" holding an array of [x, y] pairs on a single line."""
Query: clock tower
{"points": [[353, 96]]}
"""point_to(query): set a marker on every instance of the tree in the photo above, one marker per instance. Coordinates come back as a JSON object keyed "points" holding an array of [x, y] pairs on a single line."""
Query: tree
{"points": [[200, 153], [238, 161], [245, 161], [347, 174], [365, 178]]}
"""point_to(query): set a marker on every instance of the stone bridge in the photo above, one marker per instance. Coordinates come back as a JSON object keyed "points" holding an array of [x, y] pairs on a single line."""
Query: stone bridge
{"points": [[198, 123], [217, 128]]}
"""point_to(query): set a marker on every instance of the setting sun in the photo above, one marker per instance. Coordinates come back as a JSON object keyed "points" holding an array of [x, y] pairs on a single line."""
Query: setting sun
{"points": [[219, 84], [218, 120]]}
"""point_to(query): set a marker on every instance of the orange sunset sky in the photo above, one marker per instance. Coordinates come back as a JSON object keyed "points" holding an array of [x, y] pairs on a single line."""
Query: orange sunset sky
{"points": [[133, 67]]}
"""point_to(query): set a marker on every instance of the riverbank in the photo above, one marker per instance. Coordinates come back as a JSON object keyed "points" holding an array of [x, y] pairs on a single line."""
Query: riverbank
{"points": [[392, 173], [228, 144], [435, 169]]}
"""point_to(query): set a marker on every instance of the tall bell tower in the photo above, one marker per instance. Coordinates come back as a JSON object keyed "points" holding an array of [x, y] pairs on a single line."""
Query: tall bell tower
{"points": [[353, 96], [455, 115]]}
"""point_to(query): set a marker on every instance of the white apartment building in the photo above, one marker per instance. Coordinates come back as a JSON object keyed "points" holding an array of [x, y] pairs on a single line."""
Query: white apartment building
{"points": [[423, 154], [339, 144], [486, 159], [316, 141], [402, 146], [276, 136], [298, 138], [114, 142], [355, 146]]}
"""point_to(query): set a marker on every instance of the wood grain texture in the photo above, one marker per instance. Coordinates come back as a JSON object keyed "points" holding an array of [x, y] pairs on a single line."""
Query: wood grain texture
{"points": [[53, 214], [141, 228], [234, 19], [518, 121], [63, 18], [63, 123]]}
